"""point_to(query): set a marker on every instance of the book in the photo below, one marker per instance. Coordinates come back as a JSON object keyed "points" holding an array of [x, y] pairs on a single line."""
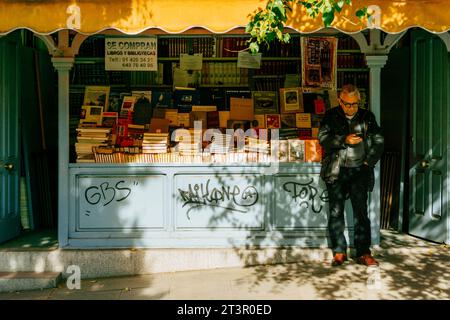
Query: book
{"points": [[115, 102], [247, 94], [316, 100], [127, 106], [172, 116], [261, 119], [213, 120], [159, 113], [136, 132], [199, 116], [296, 150], [239, 124], [162, 99], [291, 100], [305, 133], [96, 96], [303, 120], [224, 116], [288, 133], [91, 114], [159, 125], [241, 109], [283, 150], [273, 121], [155, 142], [313, 151], [109, 119], [288, 120], [292, 80], [315, 133], [204, 108], [319, 106], [184, 120], [265, 102], [185, 98]]}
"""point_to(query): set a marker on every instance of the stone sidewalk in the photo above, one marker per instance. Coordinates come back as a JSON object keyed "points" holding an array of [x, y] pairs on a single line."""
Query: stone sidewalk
{"points": [[409, 269]]}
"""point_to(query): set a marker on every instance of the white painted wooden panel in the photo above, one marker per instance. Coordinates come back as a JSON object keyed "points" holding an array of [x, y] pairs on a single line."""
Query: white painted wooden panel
{"points": [[120, 202]]}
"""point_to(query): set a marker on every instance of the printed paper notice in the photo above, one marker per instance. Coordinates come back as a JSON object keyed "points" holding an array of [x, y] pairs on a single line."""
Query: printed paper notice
{"points": [[131, 54], [191, 62], [248, 60]]}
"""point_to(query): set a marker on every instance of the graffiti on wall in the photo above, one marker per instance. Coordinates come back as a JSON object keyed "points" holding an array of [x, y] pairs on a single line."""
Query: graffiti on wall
{"points": [[229, 197]]}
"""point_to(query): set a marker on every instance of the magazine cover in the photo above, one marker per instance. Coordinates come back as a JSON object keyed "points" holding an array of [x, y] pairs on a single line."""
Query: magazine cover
{"points": [[265, 102]]}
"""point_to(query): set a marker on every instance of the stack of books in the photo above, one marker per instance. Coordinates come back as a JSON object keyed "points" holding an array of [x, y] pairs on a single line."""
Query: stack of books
{"points": [[288, 133], [186, 148], [155, 142], [88, 139], [257, 145], [221, 143], [188, 144]]}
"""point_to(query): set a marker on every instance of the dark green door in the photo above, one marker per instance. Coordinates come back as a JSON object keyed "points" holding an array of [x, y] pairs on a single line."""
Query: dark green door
{"points": [[9, 140], [429, 130]]}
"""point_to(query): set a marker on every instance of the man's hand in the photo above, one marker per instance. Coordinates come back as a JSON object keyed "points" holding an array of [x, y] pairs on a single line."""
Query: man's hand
{"points": [[352, 139]]}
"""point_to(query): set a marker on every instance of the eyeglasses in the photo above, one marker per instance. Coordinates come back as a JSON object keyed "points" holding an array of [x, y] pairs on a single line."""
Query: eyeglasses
{"points": [[349, 105]]}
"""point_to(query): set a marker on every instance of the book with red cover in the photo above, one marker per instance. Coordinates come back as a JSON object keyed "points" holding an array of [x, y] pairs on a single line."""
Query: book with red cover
{"points": [[273, 121]]}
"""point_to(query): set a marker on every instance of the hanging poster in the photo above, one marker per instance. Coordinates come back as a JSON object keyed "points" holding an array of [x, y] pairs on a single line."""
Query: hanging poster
{"points": [[131, 54], [319, 62]]}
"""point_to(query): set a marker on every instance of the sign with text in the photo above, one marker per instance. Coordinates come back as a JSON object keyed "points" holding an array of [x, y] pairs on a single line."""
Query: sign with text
{"points": [[131, 54]]}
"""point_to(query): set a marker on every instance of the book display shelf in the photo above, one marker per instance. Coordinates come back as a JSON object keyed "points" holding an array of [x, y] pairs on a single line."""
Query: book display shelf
{"points": [[221, 95], [142, 174]]}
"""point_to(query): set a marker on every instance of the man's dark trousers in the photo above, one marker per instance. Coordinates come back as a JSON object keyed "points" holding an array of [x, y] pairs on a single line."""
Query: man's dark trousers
{"points": [[352, 182]]}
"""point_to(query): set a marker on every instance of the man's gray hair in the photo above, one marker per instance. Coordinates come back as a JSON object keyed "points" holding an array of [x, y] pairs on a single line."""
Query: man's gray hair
{"points": [[350, 90]]}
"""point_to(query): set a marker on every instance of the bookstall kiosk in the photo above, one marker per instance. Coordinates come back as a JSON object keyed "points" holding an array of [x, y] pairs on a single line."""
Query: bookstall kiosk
{"points": [[172, 204]]}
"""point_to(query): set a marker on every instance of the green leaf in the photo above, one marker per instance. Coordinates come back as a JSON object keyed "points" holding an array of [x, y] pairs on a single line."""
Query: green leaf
{"points": [[254, 47], [338, 5], [270, 36], [328, 17], [361, 13], [286, 37], [257, 17], [279, 11], [249, 27]]}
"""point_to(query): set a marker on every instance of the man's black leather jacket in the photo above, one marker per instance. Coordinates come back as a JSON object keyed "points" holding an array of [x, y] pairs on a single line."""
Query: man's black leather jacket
{"points": [[332, 133]]}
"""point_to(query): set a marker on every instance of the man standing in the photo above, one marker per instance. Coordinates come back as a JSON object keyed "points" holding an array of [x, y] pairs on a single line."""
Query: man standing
{"points": [[353, 144]]}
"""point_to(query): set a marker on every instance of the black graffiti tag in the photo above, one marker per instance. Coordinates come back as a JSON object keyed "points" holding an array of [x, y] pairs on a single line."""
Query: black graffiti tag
{"points": [[105, 193], [227, 197], [306, 194]]}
